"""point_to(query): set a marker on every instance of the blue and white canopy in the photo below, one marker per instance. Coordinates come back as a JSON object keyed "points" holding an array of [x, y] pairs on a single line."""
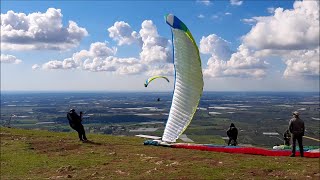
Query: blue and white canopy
{"points": [[188, 80]]}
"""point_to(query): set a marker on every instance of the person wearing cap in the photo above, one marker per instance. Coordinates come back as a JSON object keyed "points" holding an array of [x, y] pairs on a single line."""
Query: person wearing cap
{"points": [[296, 128], [232, 133], [75, 123]]}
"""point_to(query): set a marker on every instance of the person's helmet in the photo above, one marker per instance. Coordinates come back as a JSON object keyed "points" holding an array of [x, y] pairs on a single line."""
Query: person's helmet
{"points": [[296, 113], [232, 125], [72, 110]]}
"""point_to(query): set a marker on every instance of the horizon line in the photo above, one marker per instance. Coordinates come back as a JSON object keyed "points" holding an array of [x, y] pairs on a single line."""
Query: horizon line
{"points": [[120, 91]]}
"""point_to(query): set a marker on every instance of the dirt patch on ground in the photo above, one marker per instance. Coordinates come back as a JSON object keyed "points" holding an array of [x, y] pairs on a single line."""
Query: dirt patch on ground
{"points": [[53, 146], [265, 172], [4, 134], [279, 174], [8, 136]]}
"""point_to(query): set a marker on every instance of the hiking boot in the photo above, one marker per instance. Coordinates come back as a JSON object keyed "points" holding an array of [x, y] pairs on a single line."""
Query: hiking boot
{"points": [[292, 155]]}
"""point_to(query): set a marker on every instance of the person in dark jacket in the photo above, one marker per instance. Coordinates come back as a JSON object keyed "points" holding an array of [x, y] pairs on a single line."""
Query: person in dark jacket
{"points": [[75, 123], [232, 133], [296, 128], [286, 137]]}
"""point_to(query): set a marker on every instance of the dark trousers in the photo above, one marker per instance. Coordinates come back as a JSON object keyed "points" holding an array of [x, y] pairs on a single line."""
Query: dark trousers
{"points": [[80, 129], [299, 139]]}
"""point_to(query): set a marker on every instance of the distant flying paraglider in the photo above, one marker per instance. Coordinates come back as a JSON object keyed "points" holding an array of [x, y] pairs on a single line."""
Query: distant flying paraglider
{"points": [[153, 78]]}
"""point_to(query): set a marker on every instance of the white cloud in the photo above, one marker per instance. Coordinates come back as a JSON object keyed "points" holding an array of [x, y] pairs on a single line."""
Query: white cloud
{"points": [[236, 2], [201, 16], [287, 29], [55, 64], [100, 49], [243, 63], [113, 64], [9, 59], [123, 33], [155, 49], [271, 10], [155, 53], [224, 63], [35, 67], [69, 64], [97, 64], [304, 63], [204, 2], [39, 31], [250, 21], [216, 46], [227, 13], [163, 69], [97, 51], [131, 69], [292, 35]]}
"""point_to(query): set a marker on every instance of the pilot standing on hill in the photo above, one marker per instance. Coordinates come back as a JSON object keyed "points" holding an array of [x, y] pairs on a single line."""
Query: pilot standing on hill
{"points": [[296, 128], [75, 123], [232, 133]]}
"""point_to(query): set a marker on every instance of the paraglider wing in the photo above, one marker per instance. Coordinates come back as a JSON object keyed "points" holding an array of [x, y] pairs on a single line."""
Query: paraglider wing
{"points": [[153, 78], [188, 85]]}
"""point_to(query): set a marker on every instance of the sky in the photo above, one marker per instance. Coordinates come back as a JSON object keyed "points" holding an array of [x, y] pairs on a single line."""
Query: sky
{"points": [[116, 45]]}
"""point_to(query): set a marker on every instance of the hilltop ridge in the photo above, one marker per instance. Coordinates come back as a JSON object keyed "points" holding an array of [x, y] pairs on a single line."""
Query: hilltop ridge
{"points": [[38, 154]]}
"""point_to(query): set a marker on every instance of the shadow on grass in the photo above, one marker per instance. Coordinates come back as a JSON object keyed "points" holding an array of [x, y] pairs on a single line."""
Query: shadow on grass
{"points": [[92, 142]]}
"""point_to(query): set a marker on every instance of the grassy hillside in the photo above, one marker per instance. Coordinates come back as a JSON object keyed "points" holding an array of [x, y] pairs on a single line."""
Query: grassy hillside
{"points": [[35, 154]]}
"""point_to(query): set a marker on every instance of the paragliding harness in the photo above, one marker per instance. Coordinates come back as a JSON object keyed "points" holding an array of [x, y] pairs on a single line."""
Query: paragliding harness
{"points": [[232, 134], [286, 138], [74, 120]]}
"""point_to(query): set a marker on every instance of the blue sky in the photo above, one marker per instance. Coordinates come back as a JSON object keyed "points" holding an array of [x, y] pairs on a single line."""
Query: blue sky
{"points": [[116, 45]]}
